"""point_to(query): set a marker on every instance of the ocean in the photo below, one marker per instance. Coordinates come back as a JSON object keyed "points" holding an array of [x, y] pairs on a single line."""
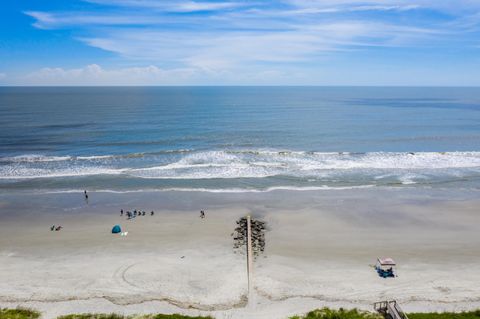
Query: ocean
{"points": [[237, 139]]}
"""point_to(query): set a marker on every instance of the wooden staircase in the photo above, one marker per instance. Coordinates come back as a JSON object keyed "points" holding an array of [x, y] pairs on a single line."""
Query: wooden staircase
{"points": [[390, 309]]}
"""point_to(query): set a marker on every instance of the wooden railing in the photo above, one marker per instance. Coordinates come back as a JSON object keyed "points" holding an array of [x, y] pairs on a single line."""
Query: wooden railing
{"points": [[390, 308]]}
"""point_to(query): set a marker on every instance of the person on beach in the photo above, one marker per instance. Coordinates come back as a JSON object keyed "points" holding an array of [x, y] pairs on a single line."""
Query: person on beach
{"points": [[86, 196], [151, 213], [121, 212], [202, 214]]}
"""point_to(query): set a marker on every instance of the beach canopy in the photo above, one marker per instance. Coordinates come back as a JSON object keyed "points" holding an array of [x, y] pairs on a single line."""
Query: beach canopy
{"points": [[386, 261], [116, 229]]}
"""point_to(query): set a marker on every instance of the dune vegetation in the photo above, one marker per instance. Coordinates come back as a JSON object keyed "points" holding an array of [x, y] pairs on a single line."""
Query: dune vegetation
{"points": [[324, 313], [446, 315], [115, 316], [19, 313]]}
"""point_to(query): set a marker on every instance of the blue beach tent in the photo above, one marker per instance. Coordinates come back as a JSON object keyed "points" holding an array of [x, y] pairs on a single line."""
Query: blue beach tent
{"points": [[116, 229]]}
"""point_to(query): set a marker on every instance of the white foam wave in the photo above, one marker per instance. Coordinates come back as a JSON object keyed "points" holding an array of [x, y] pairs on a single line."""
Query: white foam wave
{"points": [[410, 179], [262, 164], [406, 167], [29, 173], [94, 157], [33, 158], [29, 158], [214, 190], [201, 171]]}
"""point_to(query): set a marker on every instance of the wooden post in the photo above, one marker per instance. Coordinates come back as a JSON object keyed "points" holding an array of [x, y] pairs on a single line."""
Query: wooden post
{"points": [[249, 257]]}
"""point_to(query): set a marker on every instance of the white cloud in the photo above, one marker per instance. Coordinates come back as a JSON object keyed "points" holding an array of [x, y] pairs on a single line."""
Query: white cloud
{"points": [[444, 5], [385, 8], [192, 6], [228, 49], [46, 20], [258, 32], [173, 6], [95, 75], [315, 10], [205, 74], [240, 39], [328, 5]]}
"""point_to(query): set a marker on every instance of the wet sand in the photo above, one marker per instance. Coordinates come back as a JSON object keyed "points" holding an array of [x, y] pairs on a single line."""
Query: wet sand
{"points": [[320, 248]]}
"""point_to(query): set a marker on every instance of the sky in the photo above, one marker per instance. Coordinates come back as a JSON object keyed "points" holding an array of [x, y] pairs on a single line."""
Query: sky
{"points": [[239, 42]]}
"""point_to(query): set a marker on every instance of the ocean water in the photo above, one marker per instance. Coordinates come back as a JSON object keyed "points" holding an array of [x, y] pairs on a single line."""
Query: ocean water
{"points": [[238, 139]]}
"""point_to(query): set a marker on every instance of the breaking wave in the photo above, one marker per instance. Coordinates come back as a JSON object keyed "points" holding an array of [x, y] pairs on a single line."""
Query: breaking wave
{"points": [[307, 167], [31, 158], [211, 190]]}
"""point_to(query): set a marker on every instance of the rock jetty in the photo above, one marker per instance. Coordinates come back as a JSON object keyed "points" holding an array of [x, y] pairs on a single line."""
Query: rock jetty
{"points": [[258, 236]]}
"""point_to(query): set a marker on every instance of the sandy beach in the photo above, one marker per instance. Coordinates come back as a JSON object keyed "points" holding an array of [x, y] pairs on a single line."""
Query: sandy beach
{"points": [[320, 250]]}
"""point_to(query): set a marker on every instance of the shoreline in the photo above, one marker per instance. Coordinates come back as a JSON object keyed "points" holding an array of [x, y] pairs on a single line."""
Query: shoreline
{"points": [[84, 268]]}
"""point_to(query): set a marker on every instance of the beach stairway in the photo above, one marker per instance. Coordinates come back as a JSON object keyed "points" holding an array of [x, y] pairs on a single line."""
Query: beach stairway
{"points": [[390, 309]]}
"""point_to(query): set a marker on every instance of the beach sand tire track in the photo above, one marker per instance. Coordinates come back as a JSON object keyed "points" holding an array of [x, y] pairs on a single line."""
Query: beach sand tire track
{"points": [[120, 277]]}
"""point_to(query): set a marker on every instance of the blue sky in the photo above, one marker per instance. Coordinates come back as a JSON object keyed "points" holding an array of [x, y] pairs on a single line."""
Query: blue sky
{"points": [[238, 42]]}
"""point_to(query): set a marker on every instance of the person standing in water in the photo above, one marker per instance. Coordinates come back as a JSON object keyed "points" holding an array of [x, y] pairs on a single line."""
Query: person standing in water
{"points": [[86, 196]]}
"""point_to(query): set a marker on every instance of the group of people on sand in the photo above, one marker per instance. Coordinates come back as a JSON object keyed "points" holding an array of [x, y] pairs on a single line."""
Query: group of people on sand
{"points": [[135, 213], [129, 214]]}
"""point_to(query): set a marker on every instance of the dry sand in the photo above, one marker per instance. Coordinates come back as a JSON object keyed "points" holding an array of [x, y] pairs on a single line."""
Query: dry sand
{"points": [[320, 250]]}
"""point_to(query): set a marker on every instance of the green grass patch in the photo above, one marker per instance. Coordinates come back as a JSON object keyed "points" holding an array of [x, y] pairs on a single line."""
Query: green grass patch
{"points": [[446, 315], [19, 313], [93, 316], [174, 316], [326, 313], [115, 316]]}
